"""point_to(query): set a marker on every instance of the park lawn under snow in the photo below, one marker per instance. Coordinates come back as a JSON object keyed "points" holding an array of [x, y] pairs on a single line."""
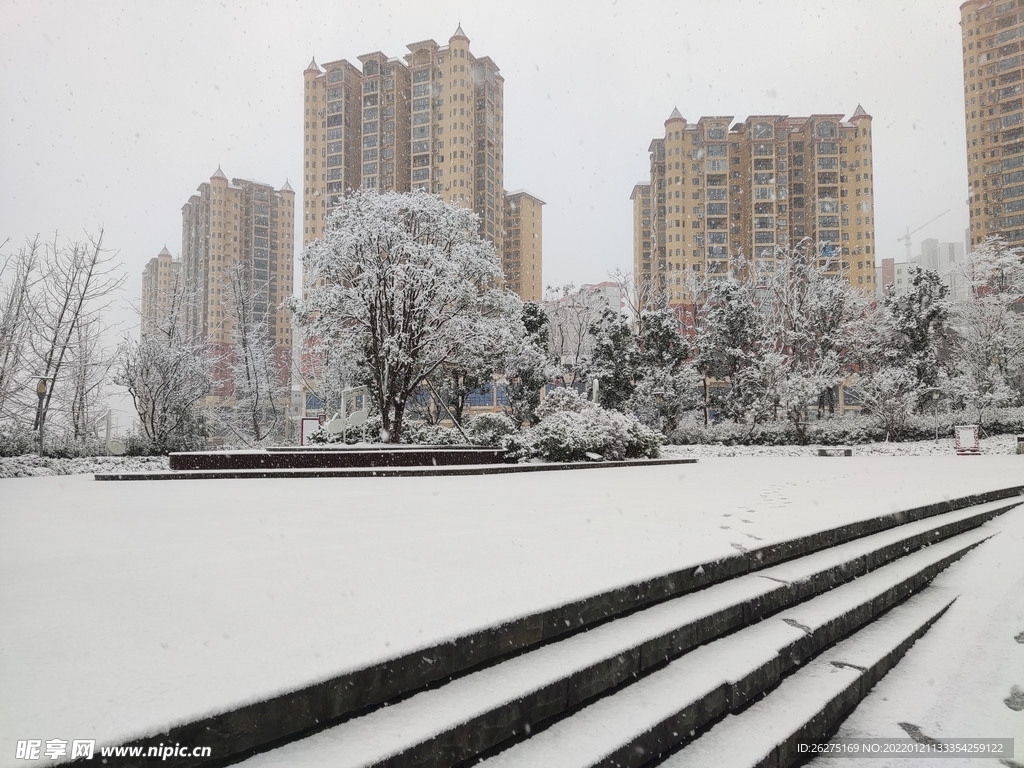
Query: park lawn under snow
{"points": [[129, 607]]}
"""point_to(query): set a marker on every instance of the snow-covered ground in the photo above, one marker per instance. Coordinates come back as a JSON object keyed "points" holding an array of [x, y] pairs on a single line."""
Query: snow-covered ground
{"points": [[36, 466], [128, 607], [1000, 445]]}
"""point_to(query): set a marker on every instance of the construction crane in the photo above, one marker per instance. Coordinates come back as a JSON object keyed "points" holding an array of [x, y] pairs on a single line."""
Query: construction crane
{"points": [[906, 237]]}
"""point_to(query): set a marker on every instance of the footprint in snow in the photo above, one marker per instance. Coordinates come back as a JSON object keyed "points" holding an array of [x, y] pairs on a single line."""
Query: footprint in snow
{"points": [[1015, 700]]}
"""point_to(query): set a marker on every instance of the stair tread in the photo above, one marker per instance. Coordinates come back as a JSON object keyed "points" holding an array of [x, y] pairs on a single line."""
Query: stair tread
{"points": [[745, 739], [366, 740]]}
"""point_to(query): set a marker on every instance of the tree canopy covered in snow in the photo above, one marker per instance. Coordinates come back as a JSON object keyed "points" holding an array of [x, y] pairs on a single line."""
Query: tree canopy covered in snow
{"points": [[404, 285]]}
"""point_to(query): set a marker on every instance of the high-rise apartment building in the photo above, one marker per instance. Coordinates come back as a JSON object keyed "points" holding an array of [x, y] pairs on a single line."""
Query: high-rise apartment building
{"points": [[239, 222], [432, 120], [720, 190], [522, 257], [992, 35], [158, 278]]}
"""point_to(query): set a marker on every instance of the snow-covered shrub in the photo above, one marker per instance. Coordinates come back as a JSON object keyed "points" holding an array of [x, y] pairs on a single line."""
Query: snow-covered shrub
{"points": [[581, 431], [431, 434], [890, 394], [369, 432], [16, 439], [561, 399], [644, 442], [489, 428]]}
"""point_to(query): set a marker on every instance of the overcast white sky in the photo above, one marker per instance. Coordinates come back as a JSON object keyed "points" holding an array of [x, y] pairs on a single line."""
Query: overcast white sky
{"points": [[113, 112]]}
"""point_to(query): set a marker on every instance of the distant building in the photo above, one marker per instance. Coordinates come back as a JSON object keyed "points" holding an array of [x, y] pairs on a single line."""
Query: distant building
{"points": [[158, 278], [522, 259], [991, 32], [892, 273], [247, 222], [644, 265], [943, 258], [718, 191]]}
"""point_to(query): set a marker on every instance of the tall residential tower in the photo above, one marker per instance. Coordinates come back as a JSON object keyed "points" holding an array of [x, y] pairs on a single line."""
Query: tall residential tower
{"points": [[719, 190], [158, 282], [432, 120], [239, 222], [992, 35]]}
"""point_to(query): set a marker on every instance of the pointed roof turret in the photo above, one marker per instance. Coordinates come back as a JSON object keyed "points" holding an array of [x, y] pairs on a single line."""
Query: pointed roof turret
{"points": [[219, 174], [859, 112], [164, 252], [313, 66], [287, 187], [460, 33], [676, 115]]}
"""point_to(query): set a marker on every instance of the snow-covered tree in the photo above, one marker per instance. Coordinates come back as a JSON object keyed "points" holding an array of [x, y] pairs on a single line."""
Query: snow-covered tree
{"points": [[255, 409], [167, 373], [890, 394], [401, 283], [614, 360], [988, 330], [80, 280], [815, 323], [19, 272], [571, 313], [666, 383], [729, 344], [914, 328], [527, 366]]}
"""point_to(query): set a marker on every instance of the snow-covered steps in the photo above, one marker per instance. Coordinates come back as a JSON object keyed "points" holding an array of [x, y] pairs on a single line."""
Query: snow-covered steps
{"points": [[482, 710], [808, 705], [661, 711], [843, 552]]}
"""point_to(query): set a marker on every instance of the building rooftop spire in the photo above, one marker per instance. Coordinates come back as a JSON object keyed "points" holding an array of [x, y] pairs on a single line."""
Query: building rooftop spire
{"points": [[287, 187], [164, 252], [675, 114], [313, 66], [859, 112], [459, 32], [219, 174]]}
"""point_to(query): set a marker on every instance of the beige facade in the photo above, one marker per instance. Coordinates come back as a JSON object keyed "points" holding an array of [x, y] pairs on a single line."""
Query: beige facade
{"points": [[433, 121], [158, 278], [643, 263], [239, 221], [719, 190], [522, 259], [992, 35]]}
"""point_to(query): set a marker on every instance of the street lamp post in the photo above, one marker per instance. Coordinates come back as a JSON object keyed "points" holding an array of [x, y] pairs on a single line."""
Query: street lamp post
{"points": [[41, 394], [935, 412]]}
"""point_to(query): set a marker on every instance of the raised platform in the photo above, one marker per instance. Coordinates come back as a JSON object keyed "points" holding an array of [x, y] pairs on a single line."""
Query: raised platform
{"points": [[342, 457], [382, 471]]}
